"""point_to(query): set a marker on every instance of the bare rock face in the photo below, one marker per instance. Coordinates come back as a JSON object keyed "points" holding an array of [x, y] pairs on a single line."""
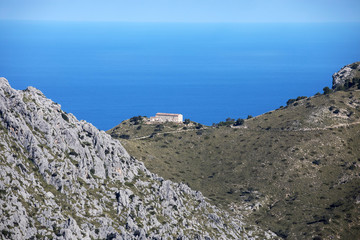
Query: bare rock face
{"points": [[61, 178], [346, 73]]}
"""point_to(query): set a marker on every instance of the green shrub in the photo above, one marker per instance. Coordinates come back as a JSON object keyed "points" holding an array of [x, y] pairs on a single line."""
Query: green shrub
{"points": [[339, 88], [239, 122], [136, 120], [159, 128], [124, 136], [327, 90], [87, 143], [300, 97], [72, 152], [290, 101], [65, 117], [354, 66]]}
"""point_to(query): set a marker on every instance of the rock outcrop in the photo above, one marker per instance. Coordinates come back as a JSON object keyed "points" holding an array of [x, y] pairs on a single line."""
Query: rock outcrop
{"points": [[347, 73], [61, 178]]}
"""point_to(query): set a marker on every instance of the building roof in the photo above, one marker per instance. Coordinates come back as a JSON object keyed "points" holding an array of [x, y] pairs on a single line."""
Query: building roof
{"points": [[168, 114]]}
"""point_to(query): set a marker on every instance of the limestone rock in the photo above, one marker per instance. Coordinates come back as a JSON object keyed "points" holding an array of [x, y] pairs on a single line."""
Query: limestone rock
{"points": [[61, 178], [346, 73]]}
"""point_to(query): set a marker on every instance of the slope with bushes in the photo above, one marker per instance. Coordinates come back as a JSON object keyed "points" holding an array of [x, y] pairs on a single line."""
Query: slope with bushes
{"points": [[294, 170]]}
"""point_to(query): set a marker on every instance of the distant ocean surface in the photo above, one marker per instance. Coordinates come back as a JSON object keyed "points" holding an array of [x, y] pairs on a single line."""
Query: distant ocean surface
{"points": [[108, 72]]}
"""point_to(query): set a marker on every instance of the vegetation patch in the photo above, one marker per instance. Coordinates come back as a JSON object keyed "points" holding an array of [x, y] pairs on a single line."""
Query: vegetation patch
{"points": [[286, 163]]}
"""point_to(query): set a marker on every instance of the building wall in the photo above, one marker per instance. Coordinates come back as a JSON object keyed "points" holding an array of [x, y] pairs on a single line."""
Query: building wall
{"points": [[167, 118]]}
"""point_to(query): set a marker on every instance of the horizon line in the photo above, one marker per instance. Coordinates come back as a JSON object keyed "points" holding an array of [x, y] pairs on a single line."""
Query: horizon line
{"points": [[175, 22]]}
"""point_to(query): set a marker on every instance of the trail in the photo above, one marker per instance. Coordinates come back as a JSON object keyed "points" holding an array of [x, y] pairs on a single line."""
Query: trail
{"points": [[257, 130], [302, 129], [328, 127], [176, 131]]}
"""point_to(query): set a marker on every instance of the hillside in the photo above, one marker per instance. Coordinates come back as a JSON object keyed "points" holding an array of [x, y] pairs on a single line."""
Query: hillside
{"points": [[62, 178], [294, 170]]}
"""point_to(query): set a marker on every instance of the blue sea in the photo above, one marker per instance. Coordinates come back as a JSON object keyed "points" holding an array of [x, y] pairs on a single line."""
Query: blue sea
{"points": [[105, 73]]}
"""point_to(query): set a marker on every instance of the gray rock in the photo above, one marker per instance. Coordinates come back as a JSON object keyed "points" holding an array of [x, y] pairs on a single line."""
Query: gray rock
{"points": [[62, 178], [346, 73]]}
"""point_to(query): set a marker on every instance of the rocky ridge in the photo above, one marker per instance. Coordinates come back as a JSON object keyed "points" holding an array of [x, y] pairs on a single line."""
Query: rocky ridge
{"points": [[347, 73], [62, 178]]}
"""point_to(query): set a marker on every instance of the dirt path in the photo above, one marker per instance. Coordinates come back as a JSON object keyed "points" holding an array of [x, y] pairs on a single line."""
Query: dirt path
{"points": [[329, 127], [294, 130], [176, 131], [303, 129]]}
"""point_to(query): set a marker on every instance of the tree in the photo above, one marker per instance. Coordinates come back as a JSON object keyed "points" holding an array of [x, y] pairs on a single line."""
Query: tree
{"points": [[290, 101], [249, 116], [187, 121], [230, 119], [239, 122], [159, 128], [136, 120], [327, 90]]}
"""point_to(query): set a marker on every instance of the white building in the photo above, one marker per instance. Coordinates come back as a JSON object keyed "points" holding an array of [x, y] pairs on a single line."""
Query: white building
{"points": [[167, 117]]}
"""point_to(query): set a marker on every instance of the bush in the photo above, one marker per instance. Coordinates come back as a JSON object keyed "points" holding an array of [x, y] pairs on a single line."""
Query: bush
{"points": [[224, 124], [340, 88], [136, 120], [72, 152], [249, 116], [63, 115], [300, 97], [239, 122], [290, 101], [327, 90], [316, 162], [230, 120], [124, 136], [187, 121], [354, 66], [159, 128]]}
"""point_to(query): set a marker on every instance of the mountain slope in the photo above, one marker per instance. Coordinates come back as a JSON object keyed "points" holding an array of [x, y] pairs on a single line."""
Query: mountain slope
{"points": [[62, 178], [294, 170]]}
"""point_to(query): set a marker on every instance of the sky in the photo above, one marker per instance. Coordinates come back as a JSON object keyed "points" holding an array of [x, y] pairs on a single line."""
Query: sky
{"points": [[182, 10]]}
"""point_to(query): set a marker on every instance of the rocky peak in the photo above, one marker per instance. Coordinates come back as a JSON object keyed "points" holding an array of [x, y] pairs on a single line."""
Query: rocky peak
{"points": [[61, 178], [347, 73]]}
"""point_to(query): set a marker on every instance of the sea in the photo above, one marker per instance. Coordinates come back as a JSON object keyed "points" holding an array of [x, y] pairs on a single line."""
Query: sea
{"points": [[106, 72]]}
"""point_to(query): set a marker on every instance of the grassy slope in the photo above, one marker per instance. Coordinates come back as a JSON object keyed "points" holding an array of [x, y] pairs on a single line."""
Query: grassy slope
{"points": [[294, 170]]}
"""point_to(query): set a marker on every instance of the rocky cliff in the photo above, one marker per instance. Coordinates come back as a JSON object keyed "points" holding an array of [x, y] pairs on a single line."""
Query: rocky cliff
{"points": [[346, 74], [61, 178]]}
